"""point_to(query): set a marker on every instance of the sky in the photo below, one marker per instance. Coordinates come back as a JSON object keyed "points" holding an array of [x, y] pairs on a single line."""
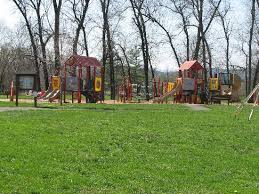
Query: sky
{"points": [[9, 16]]}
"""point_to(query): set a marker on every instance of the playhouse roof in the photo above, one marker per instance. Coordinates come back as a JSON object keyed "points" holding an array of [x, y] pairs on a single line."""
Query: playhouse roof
{"points": [[77, 60], [193, 65]]}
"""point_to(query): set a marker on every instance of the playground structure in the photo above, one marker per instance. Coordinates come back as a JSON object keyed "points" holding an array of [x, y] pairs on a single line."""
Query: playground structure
{"points": [[124, 91], [189, 86], [224, 86], [81, 76], [84, 76]]}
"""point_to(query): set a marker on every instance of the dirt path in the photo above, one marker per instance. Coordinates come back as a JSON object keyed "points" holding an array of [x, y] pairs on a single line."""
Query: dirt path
{"points": [[197, 107]]}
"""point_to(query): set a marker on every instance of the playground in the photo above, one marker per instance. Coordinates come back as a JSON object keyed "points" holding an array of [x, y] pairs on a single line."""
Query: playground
{"points": [[100, 148], [188, 137]]}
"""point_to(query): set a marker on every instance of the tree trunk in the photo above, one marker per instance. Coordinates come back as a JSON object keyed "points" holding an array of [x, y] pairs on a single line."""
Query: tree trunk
{"points": [[250, 46], [227, 56], [204, 61], [127, 62], [256, 74], [80, 20], [42, 43], [199, 31], [75, 42], [85, 43], [111, 61], [57, 8], [138, 19], [210, 56]]}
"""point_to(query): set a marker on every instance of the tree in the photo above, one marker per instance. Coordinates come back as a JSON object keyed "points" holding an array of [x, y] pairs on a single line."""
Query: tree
{"points": [[123, 49], [169, 36], [22, 6], [251, 34], [108, 52], [198, 11], [181, 8], [79, 8], [137, 8], [57, 11], [37, 5], [227, 29]]}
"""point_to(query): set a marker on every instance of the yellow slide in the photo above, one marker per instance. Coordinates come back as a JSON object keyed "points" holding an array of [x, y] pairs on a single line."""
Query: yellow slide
{"points": [[169, 94]]}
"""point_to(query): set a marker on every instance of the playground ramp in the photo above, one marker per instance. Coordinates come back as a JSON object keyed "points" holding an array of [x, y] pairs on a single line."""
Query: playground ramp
{"points": [[168, 94]]}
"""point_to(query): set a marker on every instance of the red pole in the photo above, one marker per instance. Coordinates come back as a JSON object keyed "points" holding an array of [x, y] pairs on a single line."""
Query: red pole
{"points": [[195, 91], [79, 83], [129, 90], [153, 88], [94, 82], [65, 83], [88, 75], [159, 89], [102, 76], [11, 92]]}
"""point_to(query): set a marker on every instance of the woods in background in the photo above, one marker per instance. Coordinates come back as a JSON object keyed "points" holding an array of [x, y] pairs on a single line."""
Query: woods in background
{"points": [[132, 37]]}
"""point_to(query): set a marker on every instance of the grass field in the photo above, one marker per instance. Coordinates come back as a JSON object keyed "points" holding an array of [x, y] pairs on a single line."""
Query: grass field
{"points": [[128, 149]]}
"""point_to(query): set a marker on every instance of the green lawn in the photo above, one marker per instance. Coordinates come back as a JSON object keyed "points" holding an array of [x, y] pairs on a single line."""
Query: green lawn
{"points": [[129, 149]]}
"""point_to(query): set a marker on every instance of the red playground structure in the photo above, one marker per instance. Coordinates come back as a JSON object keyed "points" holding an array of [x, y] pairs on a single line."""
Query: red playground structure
{"points": [[188, 88], [192, 75], [84, 75]]}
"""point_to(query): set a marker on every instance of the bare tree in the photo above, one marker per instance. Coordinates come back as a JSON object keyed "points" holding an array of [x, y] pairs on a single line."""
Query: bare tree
{"points": [[137, 8], [208, 49], [108, 52], [251, 34], [79, 8], [85, 42], [198, 11], [37, 6], [23, 8], [169, 36], [123, 49], [182, 8], [227, 29], [57, 11]]}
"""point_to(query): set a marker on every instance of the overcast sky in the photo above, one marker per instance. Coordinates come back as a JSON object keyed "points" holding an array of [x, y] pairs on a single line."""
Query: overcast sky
{"points": [[10, 17]]}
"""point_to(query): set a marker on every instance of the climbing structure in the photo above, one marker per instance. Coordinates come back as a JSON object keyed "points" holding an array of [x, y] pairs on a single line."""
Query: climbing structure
{"points": [[84, 75], [191, 74]]}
